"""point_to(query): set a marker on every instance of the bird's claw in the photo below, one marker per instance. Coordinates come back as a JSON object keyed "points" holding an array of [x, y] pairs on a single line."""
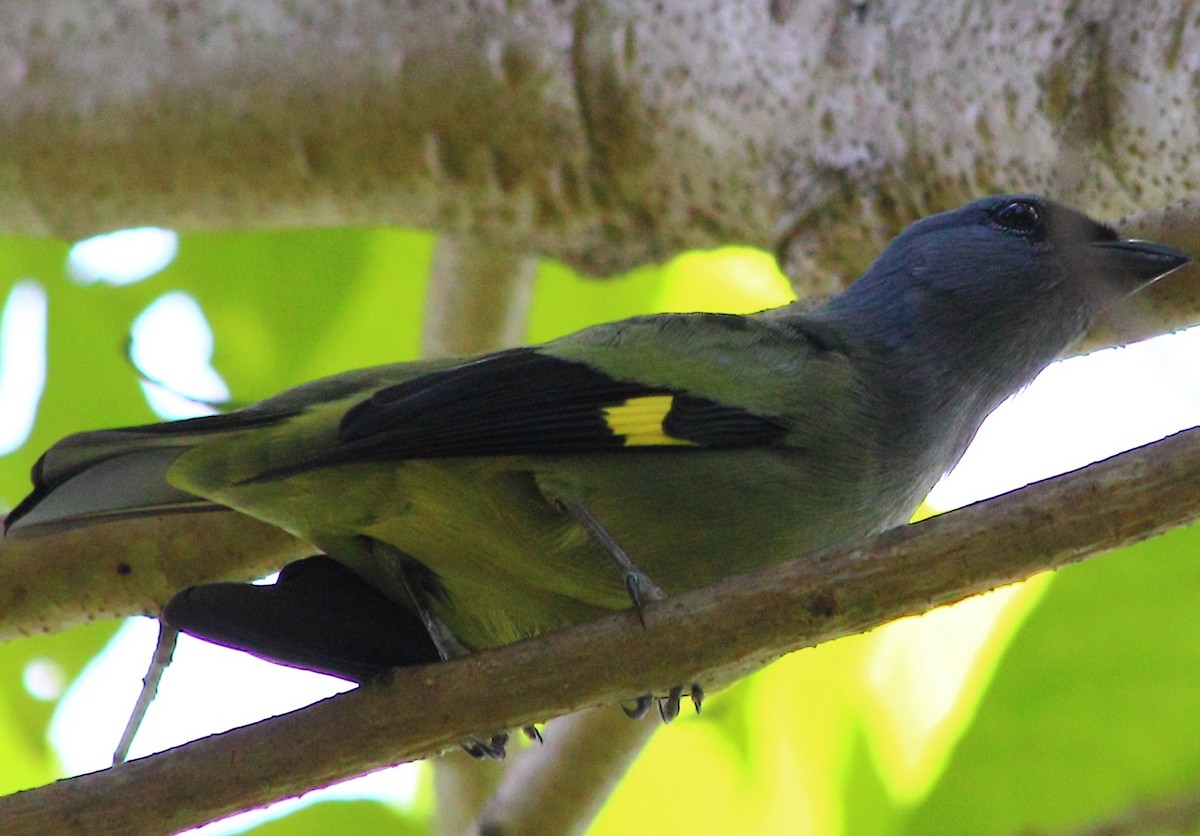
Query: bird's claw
{"points": [[641, 589], [668, 706], [492, 748], [495, 747], [637, 708]]}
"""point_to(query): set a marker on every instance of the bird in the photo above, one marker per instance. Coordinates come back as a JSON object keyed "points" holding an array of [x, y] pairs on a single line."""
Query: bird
{"points": [[460, 504]]}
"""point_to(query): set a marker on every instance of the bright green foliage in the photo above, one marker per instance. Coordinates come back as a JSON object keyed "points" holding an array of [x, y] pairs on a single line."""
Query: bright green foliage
{"points": [[1093, 709], [358, 817]]}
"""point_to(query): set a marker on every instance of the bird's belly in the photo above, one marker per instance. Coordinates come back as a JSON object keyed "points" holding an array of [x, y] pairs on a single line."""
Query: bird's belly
{"points": [[691, 520], [510, 563]]}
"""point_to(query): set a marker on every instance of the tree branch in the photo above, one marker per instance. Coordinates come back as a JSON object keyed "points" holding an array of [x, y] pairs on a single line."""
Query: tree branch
{"points": [[131, 567], [1179, 813], [606, 133], [711, 635], [477, 300], [560, 786]]}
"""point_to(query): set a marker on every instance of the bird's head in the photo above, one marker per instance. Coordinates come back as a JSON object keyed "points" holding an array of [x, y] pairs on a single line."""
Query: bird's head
{"points": [[1007, 267]]}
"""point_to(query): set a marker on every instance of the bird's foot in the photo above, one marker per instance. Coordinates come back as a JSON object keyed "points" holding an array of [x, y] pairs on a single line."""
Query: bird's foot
{"points": [[640, 586], [668, 706], [638, 707], [641, 589], [488, 747], [494, 746]]}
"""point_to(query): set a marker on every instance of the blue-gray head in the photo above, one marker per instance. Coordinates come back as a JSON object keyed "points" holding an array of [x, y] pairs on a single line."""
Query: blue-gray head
{"points": [[1006, 273], [964, 308]]}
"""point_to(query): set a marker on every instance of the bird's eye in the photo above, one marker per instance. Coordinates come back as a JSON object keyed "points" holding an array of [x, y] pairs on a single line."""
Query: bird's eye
{"points": [[1020, 216]]}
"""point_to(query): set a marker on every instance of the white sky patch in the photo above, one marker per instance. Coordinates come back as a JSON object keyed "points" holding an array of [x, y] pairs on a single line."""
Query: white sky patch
{"points": [[22, 362], [173, 345], [122, 257], [44, 679], [1080, 411]]}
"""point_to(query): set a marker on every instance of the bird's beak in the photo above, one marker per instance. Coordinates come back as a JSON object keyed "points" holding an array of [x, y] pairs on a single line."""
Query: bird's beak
{"points": [[1131, 265]]}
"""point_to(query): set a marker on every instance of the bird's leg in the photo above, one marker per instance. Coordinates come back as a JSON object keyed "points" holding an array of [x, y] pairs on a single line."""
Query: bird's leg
{"points": [[640, 587], [447, 644], [638, 584], [449, 647]]}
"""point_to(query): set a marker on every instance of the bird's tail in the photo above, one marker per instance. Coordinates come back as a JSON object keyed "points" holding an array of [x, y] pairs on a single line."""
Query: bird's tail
{"points": [[109, 475]]}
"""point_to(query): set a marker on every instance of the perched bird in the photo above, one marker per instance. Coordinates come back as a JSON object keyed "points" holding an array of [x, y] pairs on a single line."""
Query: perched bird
{"points": [[467, 503]]}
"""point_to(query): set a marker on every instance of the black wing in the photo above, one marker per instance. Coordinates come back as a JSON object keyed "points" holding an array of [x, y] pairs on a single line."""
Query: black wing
{"points": [[522, 402]]}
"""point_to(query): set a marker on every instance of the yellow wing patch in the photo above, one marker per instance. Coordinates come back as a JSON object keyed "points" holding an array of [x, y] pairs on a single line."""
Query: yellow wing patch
{"points": [[640, 421]]}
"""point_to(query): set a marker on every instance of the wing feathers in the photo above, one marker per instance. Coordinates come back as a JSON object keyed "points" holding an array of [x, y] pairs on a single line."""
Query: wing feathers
{"points": [[130, 484], [518, 402], [114, 474], [524, 402]]}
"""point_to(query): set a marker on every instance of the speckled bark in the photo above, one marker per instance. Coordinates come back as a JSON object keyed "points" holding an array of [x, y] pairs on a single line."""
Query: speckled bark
{"points": [[51, 583], [604, 133]]}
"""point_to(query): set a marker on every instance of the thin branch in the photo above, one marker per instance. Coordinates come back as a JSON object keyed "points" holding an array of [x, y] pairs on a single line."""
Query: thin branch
{"points": [[462, 786], [1178, 813], [713, 635], [560, 786], [478, 298]]}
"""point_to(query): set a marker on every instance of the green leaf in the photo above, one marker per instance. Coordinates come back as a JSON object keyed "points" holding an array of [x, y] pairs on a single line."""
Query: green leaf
{"points": [[26, 758], [362, 818], [286, 307], [1095, 706]]}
